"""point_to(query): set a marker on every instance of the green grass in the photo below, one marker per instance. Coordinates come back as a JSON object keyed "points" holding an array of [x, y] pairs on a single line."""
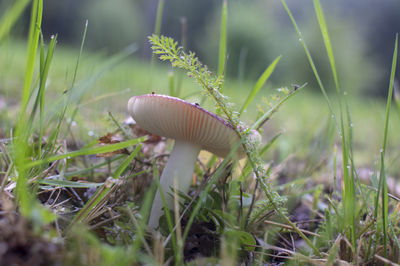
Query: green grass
{"points": [[94, 198]]}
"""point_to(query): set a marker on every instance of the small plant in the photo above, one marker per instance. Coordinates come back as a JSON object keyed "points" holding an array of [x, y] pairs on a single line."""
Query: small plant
{"points": [[167, 49]]}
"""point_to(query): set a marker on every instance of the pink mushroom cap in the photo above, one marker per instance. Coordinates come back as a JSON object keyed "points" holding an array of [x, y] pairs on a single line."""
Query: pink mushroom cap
{"points": [[177, 119]]}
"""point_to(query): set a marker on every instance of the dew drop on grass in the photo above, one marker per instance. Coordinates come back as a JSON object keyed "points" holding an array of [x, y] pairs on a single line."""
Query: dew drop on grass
{"points": [[91, 133], [73, 124], [348, 166], [381, 150], [351, 125]]}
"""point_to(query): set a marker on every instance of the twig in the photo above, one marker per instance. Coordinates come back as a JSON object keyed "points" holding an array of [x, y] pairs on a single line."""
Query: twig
{"points": [[291, 228], [104, 222], [386, 261], [146, 246]]}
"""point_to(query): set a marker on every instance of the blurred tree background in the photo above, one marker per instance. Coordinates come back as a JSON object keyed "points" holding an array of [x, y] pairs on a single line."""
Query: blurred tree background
{"points": [[362, 34]]}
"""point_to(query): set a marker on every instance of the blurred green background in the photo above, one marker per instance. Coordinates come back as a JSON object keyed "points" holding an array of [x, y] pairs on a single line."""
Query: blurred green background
{"points": [[258, 31], [362, 33]]}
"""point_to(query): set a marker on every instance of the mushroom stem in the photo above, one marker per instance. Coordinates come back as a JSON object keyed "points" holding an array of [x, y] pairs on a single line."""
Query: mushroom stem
{"points": [[180, 166]]}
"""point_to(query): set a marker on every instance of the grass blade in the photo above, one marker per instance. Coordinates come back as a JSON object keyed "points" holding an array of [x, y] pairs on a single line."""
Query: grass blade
{"points": [[327, 41], [40, 99], [159, 16], [344, 132], [26, 198], [80, 54], [88, 151], [382, 177], [8, 20], [34, 33], [158, 24], [311, 61], [54, 135], [66, 183], [260, 82], [349, 191]]}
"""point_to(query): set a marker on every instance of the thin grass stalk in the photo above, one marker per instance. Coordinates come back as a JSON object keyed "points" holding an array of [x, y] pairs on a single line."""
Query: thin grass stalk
{"points": [[20, 142], [34, 33], [382, 177], [222, 48], [158, 24], [113, 61], [176, 249], [221, 59], [54, 136], [144, 213], [311, 61], [159, 17], [179, 256], [349, 191], [327, 41], [79, 55], [346, 133], [184, 47], [40, 95], [42, 87]]}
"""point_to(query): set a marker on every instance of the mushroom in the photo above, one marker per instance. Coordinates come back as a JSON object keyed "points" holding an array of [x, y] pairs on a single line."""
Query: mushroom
{"points": [[193, 129]]}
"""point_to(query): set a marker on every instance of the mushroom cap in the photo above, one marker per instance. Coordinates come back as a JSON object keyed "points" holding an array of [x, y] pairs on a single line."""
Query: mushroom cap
{"points": [[177, 119]]}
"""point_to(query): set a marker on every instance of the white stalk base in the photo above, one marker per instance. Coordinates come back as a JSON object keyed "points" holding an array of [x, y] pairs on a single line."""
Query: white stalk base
{"points": [[180, 166]]}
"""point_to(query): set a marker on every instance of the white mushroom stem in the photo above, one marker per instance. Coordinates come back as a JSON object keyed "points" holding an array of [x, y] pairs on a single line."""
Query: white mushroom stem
{"points": [[180, 166]]}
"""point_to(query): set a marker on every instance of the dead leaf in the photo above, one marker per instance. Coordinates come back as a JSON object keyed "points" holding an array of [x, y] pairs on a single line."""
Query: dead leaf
{"points": [[111, 138]]}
